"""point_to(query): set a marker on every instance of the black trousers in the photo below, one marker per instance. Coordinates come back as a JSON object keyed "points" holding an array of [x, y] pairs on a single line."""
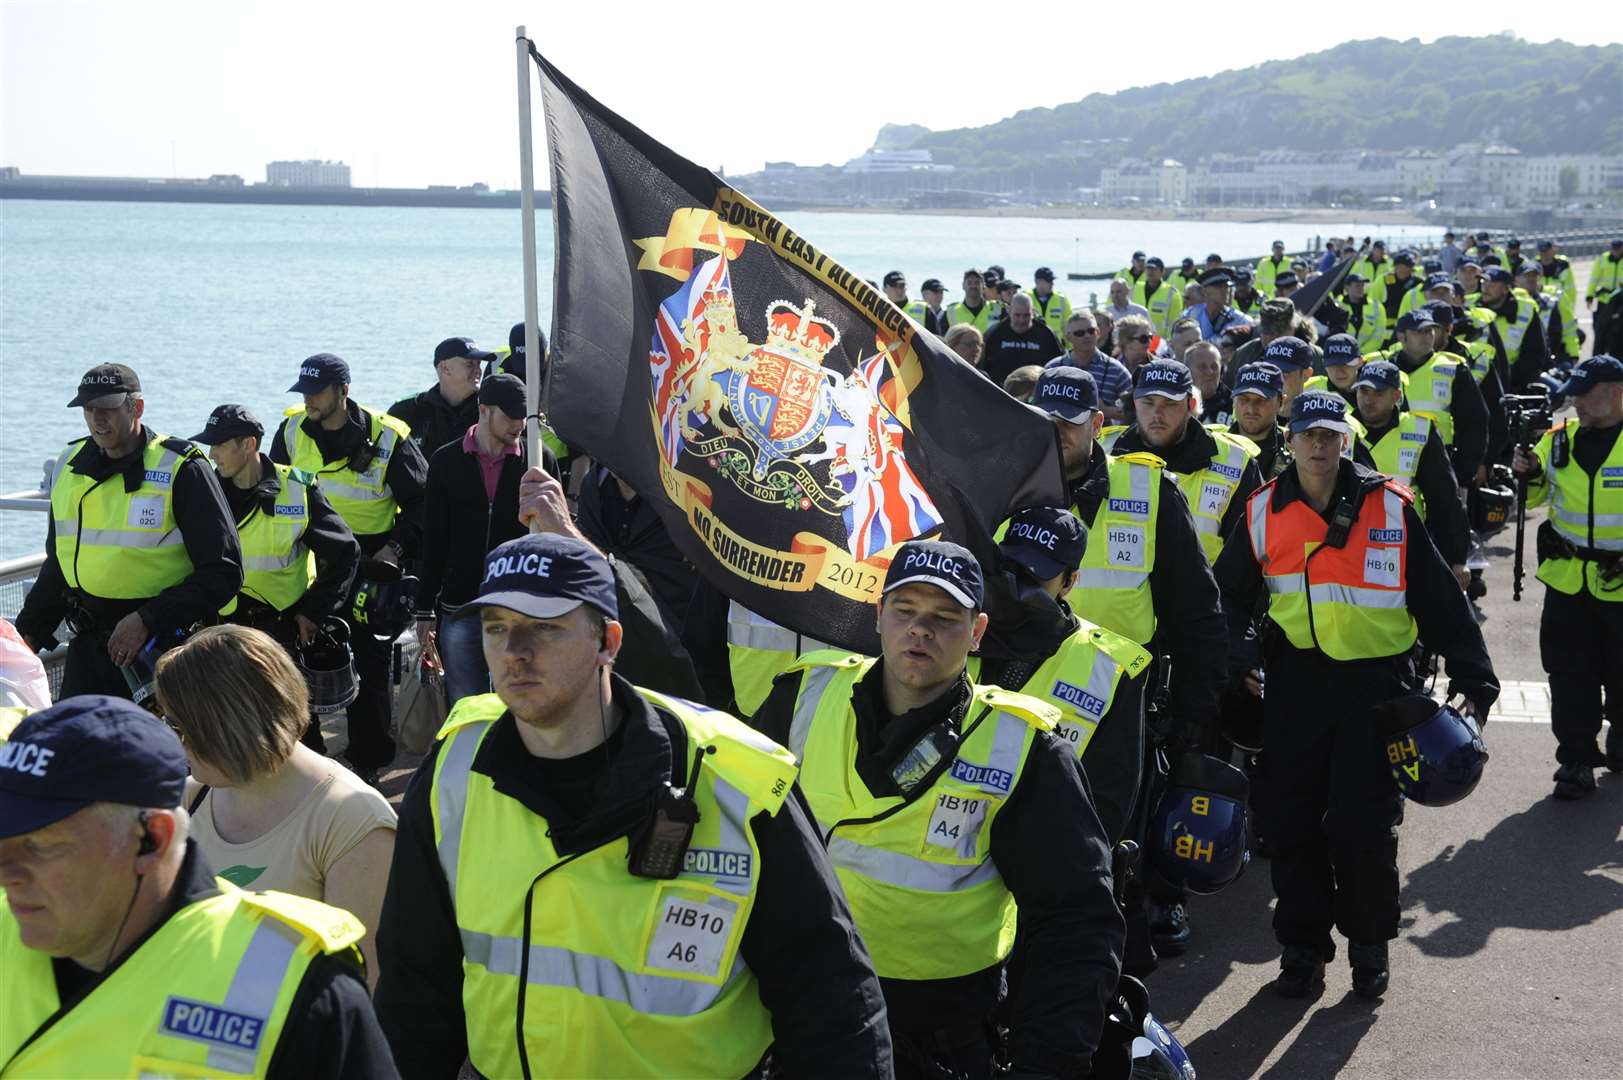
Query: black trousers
{"points": [[87, 669], [1580, 639], [1325, 797], [370, 745]]}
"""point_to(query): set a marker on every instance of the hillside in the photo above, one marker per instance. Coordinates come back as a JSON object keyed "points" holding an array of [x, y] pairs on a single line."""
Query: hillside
{"points": [[1378, 94]]}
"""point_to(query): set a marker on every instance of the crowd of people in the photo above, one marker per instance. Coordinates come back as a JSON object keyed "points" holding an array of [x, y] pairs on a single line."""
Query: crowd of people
{"points": [[662, 834]]}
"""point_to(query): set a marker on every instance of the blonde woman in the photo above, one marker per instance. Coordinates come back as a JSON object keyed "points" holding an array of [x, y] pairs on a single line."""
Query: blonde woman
{"points": [[965, 340], [268, 812]]}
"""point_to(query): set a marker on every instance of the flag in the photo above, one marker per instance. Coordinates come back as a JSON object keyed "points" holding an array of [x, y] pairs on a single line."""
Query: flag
{"points": [[791, 425]]}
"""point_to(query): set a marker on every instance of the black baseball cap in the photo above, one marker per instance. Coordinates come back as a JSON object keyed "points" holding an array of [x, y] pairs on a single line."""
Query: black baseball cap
{"points": [[1066, 392], [1441, 311], [895, 277], [991, 277], [1046, 540], [1277, 244], [1359, 278], [1138, 254], [455, 348], [941, 563], [1214, 257], [1404, 257], [1591, 373], [1438, 281], [1155, 261], [1492, 260], [319, 372], [505, 392], [85, 750], [1378, 244], [1187, 261], [932, 285], [1318, 409], [1242, 277], [1286, 281], [1005, 283], [1340, 349], [1431, 266], [545, 575], [1474, 263], [1380, 375], [1168, 378], [1216, 276], [1043, 273], [1260, 378], [1546, 245], [1499, 274], [229, 422], [1513, 242], [972, 272], [1288, 354], [515, 338], [1483, 235], [1531, 266], [1418, 319], [995, 270], [104, 387]]}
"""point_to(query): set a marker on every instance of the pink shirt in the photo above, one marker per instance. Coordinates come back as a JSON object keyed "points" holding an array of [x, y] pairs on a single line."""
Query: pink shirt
{"points": [[490, 467]]}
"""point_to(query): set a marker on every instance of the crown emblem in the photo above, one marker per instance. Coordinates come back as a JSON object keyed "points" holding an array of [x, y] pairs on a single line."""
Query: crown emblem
{"points": [[795, 333], [718, 310]]}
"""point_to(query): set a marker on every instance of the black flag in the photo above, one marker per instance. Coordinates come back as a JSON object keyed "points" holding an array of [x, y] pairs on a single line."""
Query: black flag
{"points": [[789, 422]]}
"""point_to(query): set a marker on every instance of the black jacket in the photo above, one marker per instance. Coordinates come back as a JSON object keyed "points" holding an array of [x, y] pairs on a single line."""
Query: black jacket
{"points": [[1470, 412], [461, 525], [1433, 596], [331, 1033], [325, 534], [1188, 611], [1052, 853], [1434, 479], [1006, 348], [632, 530], [813, 971], [405, 475], [435, 421], [205, 526]]}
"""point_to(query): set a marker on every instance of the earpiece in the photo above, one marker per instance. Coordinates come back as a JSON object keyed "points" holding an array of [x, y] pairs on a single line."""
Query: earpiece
{"points": [[149, 843]]}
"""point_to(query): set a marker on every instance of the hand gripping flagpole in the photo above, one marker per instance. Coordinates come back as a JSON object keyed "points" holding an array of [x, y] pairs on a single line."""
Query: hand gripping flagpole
{"points": [[532, 354]]}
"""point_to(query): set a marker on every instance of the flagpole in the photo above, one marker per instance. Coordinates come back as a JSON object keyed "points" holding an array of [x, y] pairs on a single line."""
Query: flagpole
{"points": [[532, 354]]}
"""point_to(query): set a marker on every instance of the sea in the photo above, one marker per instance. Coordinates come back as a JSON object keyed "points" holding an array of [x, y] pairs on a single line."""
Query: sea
{"points": [[218, 303]]}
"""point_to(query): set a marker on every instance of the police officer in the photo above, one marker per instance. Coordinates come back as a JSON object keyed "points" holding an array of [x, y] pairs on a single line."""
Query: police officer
{"points": [[121, 952], [1216, 470], [1217, 313], [1035, 644], [1604, 297], [1405, 446], [446, 410], [1578, 467], [374, 476], [1366, 320], [1259, 396], [1396, 285], [299, 558], [1271, 267], [895, 286], [945, 804], [1160, 298], [592, 879], [1349, 578], [1053, 308], [140, 544], [1518, 334], [928, 312], [1441, 386], [1341, 361], [1248, 299], [1134, 270], [975, 308], [1563, 289], [1530, 279], [1145, 576]]}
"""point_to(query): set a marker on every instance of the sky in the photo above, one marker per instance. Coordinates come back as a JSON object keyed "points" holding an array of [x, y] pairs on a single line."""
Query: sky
{"points": [[412, 93]]}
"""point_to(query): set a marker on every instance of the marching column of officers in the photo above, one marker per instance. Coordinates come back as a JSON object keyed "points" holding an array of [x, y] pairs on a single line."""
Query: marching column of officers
{"points": [[901, 864]]}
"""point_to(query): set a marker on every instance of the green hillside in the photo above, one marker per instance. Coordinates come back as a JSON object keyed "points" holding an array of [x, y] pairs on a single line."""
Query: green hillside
{"points": [[1380, 94]]}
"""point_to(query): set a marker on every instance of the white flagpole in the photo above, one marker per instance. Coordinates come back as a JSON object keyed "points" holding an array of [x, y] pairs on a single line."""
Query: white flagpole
{"points": [[532, 354]]}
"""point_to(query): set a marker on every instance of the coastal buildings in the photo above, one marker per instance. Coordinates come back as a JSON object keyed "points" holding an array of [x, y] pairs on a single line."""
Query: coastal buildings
{"points": [[307, 174]]}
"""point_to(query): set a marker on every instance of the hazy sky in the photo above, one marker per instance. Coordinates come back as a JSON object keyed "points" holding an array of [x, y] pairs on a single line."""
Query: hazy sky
{"points": [[413, 93]]}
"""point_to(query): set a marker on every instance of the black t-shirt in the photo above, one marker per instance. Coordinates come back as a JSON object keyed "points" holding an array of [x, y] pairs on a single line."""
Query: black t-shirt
{"points": [[1592, 445], [1006, 348]]}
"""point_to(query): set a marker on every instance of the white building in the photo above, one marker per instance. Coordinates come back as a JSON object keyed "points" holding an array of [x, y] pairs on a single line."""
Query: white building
{"points": [[310, 173], [1164, 182], [893, 161]]}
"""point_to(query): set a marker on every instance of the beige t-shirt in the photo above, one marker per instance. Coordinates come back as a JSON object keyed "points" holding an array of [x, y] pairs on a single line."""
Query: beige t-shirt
{"points": [[295, 856]]}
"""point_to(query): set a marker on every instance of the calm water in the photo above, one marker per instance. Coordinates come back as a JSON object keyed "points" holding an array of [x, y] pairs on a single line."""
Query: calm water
{"points": [[220, 303]]}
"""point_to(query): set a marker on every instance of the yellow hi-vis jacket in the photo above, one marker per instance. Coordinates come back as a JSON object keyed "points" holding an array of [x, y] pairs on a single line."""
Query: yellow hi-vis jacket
{"points": [[1587, 510], [362, 499]]}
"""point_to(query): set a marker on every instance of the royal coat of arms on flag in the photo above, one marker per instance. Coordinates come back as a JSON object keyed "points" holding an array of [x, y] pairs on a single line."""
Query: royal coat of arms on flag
{"points": [[791, 424]]}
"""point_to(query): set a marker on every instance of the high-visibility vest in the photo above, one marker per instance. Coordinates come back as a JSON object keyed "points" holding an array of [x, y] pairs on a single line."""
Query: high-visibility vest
{"points": [[277, 567], [1430, 390], [1371, 330], [1512, 332], [1080, 679], [1375, 274], [1605, 278], [758, 651], [1056, 313], [207, 995], [1350, 602], [1479, 355], [628, 976], [1113, 588], [117, 544], [959, 314], [1164, 306], [1267, 273], [363, 499], [1180, 281], [1585, 509], [923, 888], [1209, 490], [1558, 277], [1397, 452]]}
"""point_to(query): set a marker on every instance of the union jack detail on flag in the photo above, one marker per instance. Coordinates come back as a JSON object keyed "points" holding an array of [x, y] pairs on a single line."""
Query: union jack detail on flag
{"points": [[888, 503]]}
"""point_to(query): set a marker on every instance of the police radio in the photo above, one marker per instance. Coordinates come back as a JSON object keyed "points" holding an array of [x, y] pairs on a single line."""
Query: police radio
{"points": [[1341, 523], [659, 850]]}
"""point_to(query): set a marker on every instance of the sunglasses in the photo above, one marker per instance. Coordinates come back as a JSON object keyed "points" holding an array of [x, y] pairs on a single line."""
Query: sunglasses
{"points": [[1142, 339], [1085, 331]]}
